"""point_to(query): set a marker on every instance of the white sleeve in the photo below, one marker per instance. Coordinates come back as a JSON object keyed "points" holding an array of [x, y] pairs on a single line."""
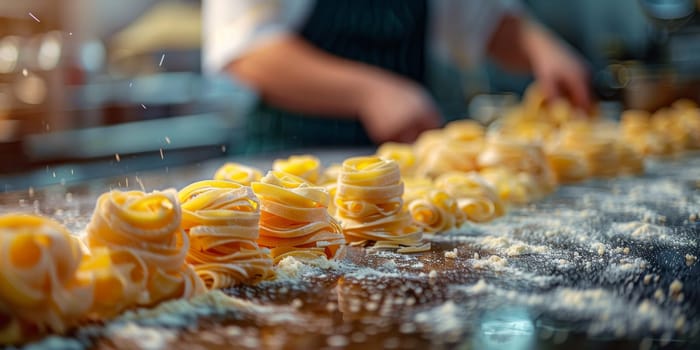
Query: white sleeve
{"points": [[232, 27], [461, 29]]}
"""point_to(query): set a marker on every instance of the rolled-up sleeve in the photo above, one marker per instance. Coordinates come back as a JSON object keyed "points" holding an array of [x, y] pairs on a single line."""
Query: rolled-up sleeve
{"points": [[233, 27], [461, 29]]}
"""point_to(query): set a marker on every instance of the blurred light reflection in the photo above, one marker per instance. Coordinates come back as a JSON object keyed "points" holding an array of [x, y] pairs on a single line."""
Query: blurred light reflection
{"points": [[510, 328], [9, 53], [49, 54]]}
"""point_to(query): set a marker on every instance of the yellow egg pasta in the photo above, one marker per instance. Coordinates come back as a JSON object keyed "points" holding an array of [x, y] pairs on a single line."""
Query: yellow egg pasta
{"points": [[144, 240], [523, 130], [240, 173], [329, 180], [402, 154], [221, 219], [40, 291], [433, 210], [568, 166], [426, 142], [449, 155], [464, 130], [690, 120], [306, 167], [630, 162], [519, 157], [666, 122], [512, 187], [639, 133], [370, 206], [476, 199], [294, 218]]}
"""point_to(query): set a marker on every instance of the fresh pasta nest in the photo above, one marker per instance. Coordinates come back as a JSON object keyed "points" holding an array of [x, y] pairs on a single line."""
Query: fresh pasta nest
{"points": [[138, 237], [475, 198], [370, 206], [294, 218], [221, 219], [236, 172], [40, 290], [401, 153], [432, 209], [306, 167]]}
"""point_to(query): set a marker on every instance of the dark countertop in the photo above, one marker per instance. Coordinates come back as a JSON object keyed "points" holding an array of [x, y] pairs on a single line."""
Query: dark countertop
{"points": [[588, 267]]}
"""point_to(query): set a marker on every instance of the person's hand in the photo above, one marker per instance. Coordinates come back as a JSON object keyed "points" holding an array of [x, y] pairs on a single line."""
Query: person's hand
{"points": [[396, 109], [558, 71]]}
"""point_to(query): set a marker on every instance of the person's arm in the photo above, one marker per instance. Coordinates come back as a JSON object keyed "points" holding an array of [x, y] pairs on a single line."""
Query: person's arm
{"points": [[292, 74], [522, 45]]}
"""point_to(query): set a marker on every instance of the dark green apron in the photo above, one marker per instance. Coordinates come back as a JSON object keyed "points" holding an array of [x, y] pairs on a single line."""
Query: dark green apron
{"points": [[390, 34]]}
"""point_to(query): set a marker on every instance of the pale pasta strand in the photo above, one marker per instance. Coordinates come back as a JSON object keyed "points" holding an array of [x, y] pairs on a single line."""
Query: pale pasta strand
{"points": [[568, 166], [306, 167], [370, 206], [638, 131], [455, 148], [221, 219], [236, 172], [519, 157], [145, 247], [432, 209], [40, 291], [294, 218], [329, 180], [512, 187], [476, 199], [465, 130], [402, 154]]}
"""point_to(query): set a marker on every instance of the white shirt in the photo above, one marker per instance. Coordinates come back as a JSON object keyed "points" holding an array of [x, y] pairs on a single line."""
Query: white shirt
{"points": [[459, 29]]}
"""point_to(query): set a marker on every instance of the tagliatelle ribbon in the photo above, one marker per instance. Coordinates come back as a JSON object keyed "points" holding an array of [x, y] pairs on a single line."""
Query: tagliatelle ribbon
{"points": [[329, 180], [306, 167], [476, 199], [39, 289], [141, 235], [294, 218], [598, 144], [464, 130], [568, 166], [402, 154], [512, 187], [432, 209], [449, 155], [370, 206], [221, 219], [239, 173], [520, 158]]}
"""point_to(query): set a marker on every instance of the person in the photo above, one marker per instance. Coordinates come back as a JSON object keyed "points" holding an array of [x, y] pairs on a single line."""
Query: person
{"points": [[353, 72]]}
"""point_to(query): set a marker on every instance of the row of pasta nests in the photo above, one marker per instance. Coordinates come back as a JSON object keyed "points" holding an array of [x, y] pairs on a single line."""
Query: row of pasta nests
{"points": [[133, 254], [141, 249], [376, 204], [311, 212], [295, 217], [518, 172], [667, 131], [531, 150], [580, 145]]}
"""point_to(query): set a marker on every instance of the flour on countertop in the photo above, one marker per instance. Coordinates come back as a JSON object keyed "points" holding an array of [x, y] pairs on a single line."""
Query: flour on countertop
{"points": [[608, 311]]}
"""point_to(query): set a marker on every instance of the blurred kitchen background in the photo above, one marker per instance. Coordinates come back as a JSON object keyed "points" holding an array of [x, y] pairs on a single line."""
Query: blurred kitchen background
{"points": [[118, 84]]}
